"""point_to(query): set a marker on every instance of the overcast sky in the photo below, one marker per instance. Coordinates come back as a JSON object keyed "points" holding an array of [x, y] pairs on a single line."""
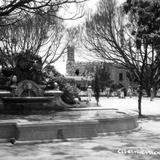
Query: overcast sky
{"points": [[90, 6]]}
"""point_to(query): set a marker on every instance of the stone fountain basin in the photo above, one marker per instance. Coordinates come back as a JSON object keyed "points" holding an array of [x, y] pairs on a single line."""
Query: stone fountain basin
{"points": [[48, 96], [76, 123], [22, 104]]}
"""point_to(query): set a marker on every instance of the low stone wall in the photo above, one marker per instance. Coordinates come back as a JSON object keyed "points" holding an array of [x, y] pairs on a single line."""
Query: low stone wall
{"points": [[50, 130], [8, 130], [53, 130]]}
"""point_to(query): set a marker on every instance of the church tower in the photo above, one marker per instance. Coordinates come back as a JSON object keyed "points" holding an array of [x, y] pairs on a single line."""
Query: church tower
{"points": [[70, 53], [70, 60]]}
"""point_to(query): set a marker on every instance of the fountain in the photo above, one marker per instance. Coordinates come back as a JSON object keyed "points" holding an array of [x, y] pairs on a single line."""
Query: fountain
{"points": [[27, 94], [27, 90]]}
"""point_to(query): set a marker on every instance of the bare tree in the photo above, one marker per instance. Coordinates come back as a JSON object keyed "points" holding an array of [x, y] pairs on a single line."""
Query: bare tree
{"points": [[41, 35], [111, 38], [14, 10], [41, 31]]}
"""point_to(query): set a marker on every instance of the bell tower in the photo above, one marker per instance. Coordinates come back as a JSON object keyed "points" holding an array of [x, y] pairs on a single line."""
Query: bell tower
{"points": [[70, 60], [70, 53]]}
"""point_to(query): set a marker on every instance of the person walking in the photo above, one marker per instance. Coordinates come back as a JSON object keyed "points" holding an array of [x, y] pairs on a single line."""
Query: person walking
{"points": [[152, 94], [107, 91], [129, 92], [122, 93], [89, 93]]}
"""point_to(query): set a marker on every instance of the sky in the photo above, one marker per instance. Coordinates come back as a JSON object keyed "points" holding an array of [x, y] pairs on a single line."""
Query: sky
{"points": [[90, 6]]}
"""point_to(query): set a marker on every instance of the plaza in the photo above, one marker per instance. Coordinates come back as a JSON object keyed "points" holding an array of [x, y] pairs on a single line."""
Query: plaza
{"points": [[141, 143]]}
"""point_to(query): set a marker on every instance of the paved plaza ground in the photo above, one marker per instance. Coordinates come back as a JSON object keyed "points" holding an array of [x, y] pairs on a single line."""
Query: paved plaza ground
{"points": [[141, 144], [148, 107]]}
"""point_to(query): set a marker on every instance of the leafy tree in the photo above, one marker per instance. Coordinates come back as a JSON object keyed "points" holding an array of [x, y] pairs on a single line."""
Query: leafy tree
{"points": [[28, 66], [51, 71], [70, 91], [144, 18]]}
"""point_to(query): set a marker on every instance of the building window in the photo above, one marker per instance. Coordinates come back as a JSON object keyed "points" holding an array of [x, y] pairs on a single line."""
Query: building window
{"points": [[120, 76]]}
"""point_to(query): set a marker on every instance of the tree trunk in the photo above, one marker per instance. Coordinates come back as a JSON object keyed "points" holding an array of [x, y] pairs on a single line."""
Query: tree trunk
{"points": [[147, 89], [140, 102]]}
